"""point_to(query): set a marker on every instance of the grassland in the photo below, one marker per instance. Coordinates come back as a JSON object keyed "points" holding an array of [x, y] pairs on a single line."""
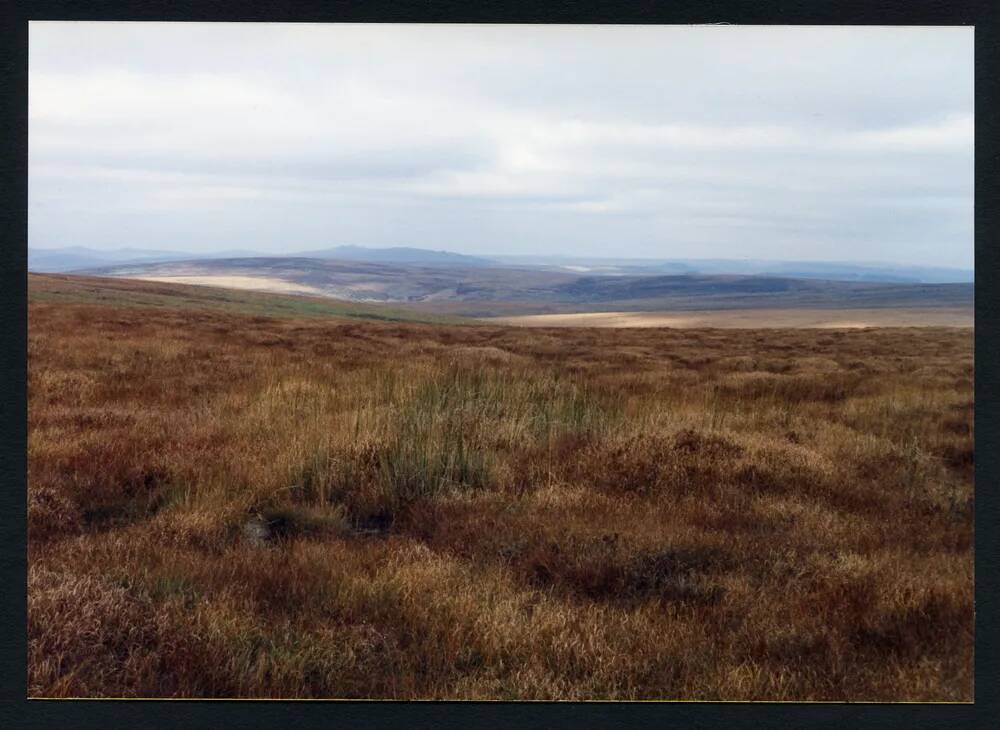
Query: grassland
{"points": [[757, 318], [224, 503]]}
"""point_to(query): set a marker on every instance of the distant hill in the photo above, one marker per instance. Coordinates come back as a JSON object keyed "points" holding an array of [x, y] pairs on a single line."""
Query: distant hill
{"points": [[76, 258], [489, 290], [396, 255], [363, 281], [829, 270], [728, 292], [80, 258]]}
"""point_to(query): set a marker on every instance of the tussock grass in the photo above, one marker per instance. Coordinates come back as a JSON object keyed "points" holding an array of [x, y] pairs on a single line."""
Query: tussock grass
{"points": [[226, 504]]}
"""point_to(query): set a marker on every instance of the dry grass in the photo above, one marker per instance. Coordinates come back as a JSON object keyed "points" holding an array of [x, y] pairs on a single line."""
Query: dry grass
{"points": [[253, 283], [225, 504], [756, 318]]}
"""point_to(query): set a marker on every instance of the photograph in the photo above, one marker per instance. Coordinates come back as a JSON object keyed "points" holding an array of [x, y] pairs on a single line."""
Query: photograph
{"points": [[500, 362]]}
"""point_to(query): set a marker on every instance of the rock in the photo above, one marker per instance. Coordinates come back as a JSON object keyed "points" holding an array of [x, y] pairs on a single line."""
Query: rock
{"points": [[258, 532]]}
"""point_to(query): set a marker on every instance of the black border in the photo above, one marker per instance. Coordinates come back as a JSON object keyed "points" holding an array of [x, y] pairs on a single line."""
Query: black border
{"points": [[16, 711]]}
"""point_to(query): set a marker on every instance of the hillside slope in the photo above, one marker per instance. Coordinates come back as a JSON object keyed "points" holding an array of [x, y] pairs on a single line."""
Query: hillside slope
{"points": [[72, 289]]}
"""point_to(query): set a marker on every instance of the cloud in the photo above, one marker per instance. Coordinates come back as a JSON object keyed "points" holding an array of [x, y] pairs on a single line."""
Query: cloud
{"points": [[639, 141], [954, 133]]}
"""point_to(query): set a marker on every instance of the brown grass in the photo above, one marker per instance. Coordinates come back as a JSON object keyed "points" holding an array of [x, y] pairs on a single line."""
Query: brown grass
{"points": [[226, 504]]}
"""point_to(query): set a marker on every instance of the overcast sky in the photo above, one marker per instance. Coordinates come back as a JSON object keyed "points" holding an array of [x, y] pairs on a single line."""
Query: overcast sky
{"points": [[672, 142]]}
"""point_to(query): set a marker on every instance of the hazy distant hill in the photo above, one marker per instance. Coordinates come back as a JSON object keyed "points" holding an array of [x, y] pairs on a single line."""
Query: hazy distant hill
{"points": [[489, 290], [831, 270], [79, 257], [396, 255], [75, 258]]}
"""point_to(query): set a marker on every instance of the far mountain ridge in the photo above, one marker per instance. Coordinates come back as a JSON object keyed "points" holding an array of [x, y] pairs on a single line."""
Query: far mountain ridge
{"points": [[396, 254], [79, 258]]}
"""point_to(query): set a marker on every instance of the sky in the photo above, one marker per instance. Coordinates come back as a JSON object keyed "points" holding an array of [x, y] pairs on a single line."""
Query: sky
{"points": [[750, 142]]}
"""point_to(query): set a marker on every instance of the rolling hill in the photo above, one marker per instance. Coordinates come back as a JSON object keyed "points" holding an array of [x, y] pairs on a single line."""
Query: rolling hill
{"points": [[830, 270], [77, 258], [483, 291], [74, 258], [86, 290]]}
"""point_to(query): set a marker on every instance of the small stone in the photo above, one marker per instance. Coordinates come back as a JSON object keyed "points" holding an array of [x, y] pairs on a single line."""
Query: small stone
{"points": [[257, 532]]}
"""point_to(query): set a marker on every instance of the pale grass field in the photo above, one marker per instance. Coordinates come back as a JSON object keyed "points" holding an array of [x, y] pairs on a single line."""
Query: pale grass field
{"points": [[249, 283], [754, 318]]}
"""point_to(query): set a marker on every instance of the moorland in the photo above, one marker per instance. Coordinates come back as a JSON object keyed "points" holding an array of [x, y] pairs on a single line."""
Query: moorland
{"points": [[237, 494]]}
